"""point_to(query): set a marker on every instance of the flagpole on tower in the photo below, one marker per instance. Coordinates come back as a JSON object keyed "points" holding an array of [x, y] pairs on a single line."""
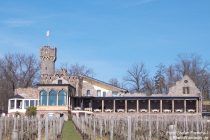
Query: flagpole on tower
{"points": [[48, 37]]}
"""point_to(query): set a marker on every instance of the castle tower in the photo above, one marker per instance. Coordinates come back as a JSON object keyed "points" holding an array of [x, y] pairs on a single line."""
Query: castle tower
{"points": [[48, 58]]}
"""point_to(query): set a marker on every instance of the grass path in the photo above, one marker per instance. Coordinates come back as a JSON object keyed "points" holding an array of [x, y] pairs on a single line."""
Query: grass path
{"points": [[69, 132]]}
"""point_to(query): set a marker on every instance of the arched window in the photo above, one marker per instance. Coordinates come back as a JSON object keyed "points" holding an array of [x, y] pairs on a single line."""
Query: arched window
{"points": [[62, 98], [43, 97], [52, 98]]}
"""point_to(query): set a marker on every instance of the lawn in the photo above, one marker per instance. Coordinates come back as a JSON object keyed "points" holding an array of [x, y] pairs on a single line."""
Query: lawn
{"points": [[69, 132]]}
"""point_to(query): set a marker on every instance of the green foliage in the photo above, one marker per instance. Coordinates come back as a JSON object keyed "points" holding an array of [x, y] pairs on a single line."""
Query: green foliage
{"points": [[31, 111], [69, 132]]}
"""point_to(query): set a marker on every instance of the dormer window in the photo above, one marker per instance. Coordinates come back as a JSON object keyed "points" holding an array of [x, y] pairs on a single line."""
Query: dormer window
{"points": [[59, 82], [186, 90]]}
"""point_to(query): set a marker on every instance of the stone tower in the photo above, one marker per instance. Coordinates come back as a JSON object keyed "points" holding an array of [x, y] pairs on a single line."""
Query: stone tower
{"points": [[48, 58]]}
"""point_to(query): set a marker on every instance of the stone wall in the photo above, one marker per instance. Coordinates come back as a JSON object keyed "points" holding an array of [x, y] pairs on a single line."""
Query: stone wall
{"points": [[186, 81], [48, 58], [28, 93]]}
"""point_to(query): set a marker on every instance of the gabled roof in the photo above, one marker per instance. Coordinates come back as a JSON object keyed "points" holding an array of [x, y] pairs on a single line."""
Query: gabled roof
{"points": [[27, 93], [17, 96], [91, 79], [186, 81]]}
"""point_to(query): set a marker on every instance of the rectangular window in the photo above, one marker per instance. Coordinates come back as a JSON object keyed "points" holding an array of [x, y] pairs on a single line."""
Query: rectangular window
{"points": [[59, 81], [99, 93], [19, 104], [186, 90], [26, 104], [12, 104], [88, 93], [104, 94], [32, 102], [114, 94]]}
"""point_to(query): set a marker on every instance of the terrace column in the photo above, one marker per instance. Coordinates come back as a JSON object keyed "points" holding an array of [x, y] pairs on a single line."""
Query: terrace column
{"points": [[161, 106], [172, 106], [149, 105], [114, 108], [197, 104], [81, 104], [126, 106], [9, 104], [47, 99], [137, 106], [102, 108], [91, 101], [68, 101], [72, 104], [56, 100], [23, 104], [185, 105], [15, 106]]}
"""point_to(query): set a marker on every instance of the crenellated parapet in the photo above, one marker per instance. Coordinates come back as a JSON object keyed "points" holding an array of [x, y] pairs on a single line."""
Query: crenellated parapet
{"points": [[48, 54]]}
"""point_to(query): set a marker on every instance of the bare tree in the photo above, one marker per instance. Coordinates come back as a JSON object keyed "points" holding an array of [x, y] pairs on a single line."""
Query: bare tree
{"points": [[17, 70], [171, 76], [136, 76], [76, 70], [160, 82], [193, 66], [114, 82], [149, 86]]}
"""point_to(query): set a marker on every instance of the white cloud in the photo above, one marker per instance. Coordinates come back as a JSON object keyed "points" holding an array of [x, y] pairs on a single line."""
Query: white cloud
{"points": [[18, 22]]}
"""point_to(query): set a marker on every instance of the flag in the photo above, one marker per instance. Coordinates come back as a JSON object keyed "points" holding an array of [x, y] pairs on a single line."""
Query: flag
{"points": [[48, 33]]}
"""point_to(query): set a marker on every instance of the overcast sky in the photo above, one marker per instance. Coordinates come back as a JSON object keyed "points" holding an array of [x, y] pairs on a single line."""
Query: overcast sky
{"points": [[107, 35]]}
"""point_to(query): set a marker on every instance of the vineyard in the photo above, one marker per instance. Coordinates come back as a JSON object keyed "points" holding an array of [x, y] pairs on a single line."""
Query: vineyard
{"points": [[25, 128], [142, 127]]}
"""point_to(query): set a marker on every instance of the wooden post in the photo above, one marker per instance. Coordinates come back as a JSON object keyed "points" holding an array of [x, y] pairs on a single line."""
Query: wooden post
{"points": [[5, 124], [27, 127], [22, 121], [39, 129], [101, 128], [82, 127], [46, 128], [150, 128], [94, 128], [1, 128], [14, 131], [129, 128], [61, 124], [111, 129]]}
